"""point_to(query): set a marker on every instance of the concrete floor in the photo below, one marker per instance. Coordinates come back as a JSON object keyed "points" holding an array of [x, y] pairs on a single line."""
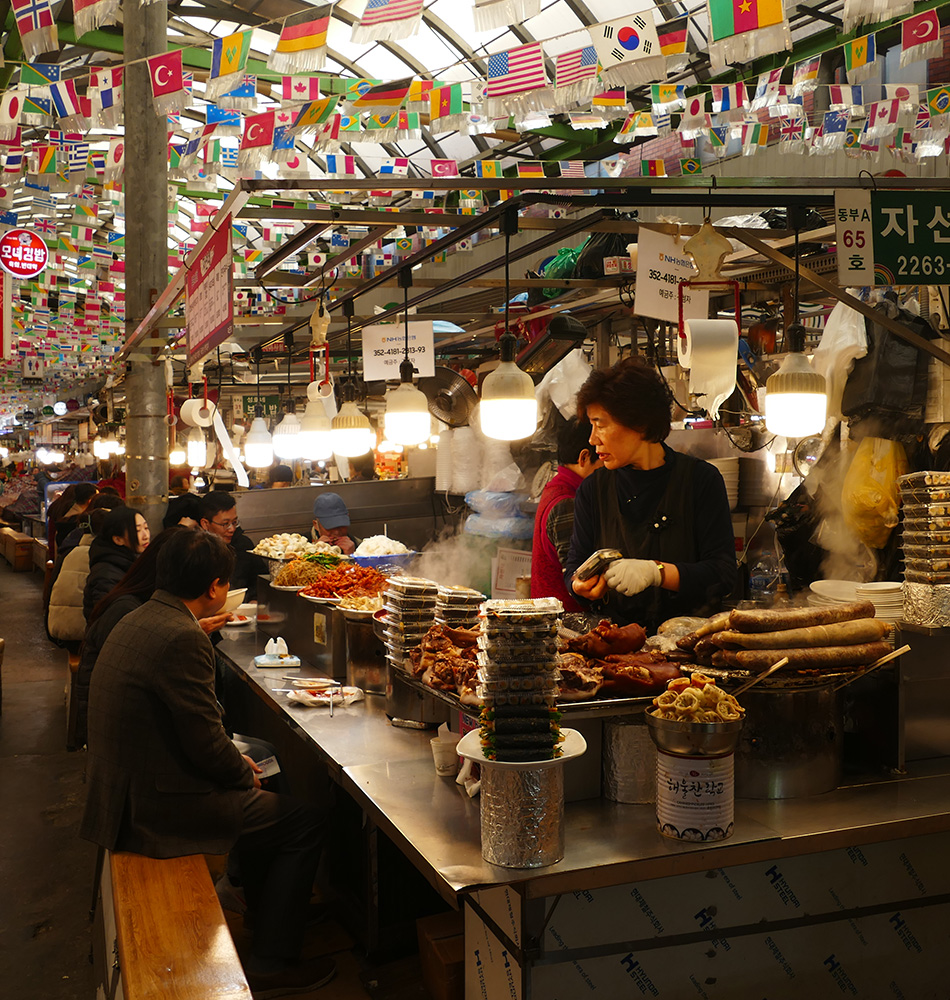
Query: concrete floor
{"points": [[46, 870]]}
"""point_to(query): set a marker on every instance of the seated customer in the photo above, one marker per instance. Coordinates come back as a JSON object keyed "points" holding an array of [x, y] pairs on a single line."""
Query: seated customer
{"points": [[280, 477], [331, 522], [165, 781], [124, 536], [218, 514]]}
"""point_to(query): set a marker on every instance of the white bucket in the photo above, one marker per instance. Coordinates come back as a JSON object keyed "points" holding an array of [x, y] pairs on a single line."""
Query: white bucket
{"points": [[695, 797]]}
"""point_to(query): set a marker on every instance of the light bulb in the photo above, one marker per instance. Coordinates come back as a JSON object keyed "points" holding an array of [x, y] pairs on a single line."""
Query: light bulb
{"points": [[258, 447], [177, 456], [508, 410], [315, 441], [407, 415], [100, 448], [197, 449], [796, 402], [352, 433], [287, 437]]}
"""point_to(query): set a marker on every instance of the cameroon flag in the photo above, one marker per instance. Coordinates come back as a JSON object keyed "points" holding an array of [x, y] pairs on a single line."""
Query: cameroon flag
{"points": [[733, 17]]}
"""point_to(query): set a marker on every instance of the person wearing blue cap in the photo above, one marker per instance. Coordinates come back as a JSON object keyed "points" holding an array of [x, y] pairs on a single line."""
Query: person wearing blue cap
{"points": [[331, 522]]}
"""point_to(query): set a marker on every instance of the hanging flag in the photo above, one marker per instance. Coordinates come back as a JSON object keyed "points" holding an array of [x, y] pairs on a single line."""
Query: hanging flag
{"points": [[243, 97], [228, 59], [614, 102], [388, 20], [11, 107], [257, 140], [446, 108], [105, 86], [341, 165], [729, 99], [167, 81], [313, 115], [383, 97], [36, 110], [302, 46], [444, 168], [694, 120], [841, 97], [718, 139], [43, 160], [920, 37], [115, 161], [690, 166], [653, 168], [295, 89], [668, 97], [489, 14], [38, 33], [673, 37], [90, 14], [575, 76], [228, 122], [66, 104], [512, 77], [629, 51], [805, 76], [791, 135], [391, 126], [858, 12], [742, 30], [882, 119], [531, 168], [834, 130], [420, 94], [938, 100], [859, 58]]}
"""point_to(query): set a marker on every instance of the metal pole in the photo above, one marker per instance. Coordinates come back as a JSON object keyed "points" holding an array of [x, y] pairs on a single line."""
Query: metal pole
{"points": [[146, 261]]}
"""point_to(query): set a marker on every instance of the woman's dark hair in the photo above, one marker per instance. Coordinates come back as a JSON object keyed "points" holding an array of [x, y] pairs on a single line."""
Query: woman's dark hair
{"points": [[84, 492], [191, 561], [634, 393], [120, 521], [187, 505], [139, 580], [62, 503], [572, 439], [96, 512]]}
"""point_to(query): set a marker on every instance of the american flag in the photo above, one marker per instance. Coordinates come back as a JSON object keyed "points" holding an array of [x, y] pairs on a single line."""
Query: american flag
{"points": [[572, 168], [383, 11], [570, 67], [515, 71]]}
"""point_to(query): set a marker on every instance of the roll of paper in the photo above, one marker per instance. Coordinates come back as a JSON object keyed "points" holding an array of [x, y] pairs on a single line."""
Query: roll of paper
{"points": [[194, 413], [709, 352]]}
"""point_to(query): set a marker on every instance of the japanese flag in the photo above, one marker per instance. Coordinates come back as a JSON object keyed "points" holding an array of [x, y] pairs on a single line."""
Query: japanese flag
{"points": [[115, 161], [11, 107]]}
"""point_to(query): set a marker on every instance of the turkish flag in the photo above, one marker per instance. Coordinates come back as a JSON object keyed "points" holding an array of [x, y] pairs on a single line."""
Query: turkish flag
{"points": [[258, 131], [165, 73]]}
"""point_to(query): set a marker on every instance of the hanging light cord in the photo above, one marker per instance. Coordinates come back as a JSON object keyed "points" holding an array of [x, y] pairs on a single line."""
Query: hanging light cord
{"points": [[406, 368]]}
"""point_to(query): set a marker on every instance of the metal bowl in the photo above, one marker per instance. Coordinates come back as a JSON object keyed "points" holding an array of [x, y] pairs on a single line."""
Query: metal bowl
{"points": [[694, 739]]}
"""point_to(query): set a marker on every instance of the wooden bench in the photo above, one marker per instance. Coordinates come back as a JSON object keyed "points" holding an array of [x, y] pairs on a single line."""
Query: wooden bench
{"points": [[17, 549], [164, 932]]}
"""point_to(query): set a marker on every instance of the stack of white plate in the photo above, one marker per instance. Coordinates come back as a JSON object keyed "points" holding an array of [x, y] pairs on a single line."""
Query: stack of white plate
{"points": [[729, 470], [825, 593], [886, 597]]}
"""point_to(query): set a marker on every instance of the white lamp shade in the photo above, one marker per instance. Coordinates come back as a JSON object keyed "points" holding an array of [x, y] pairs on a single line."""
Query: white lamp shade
{"points": [[352, 433], [508, 410], [197, 448], [287, 437], [177, 456], [796, 402], [316, 439], [407, 415], [258, 447]]}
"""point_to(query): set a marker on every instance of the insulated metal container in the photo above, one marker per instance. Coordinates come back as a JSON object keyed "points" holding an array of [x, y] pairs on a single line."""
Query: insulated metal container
{"points": [[629, 760], [522, 815]]}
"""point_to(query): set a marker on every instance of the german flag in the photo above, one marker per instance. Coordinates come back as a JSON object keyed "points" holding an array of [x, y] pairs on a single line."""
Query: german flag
{"points": [[387, 96], [672, 36], [303, 31]]}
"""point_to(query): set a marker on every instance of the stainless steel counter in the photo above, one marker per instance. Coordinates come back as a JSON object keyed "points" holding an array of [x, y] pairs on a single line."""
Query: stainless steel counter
{"points": [[389, 773]]}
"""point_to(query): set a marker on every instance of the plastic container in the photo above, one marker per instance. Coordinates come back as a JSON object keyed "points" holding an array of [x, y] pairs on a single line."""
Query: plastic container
{"points": [[518, 633], [914, 480], [412, 586], [546, 682], [408, 614], [460, 595], [523, 612], [491, 698], [763, 579], [505, 651], [926, 510]]}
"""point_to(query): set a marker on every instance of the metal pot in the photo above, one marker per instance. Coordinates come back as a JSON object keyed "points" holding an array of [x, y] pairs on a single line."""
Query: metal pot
{"points": [[694, 739]]}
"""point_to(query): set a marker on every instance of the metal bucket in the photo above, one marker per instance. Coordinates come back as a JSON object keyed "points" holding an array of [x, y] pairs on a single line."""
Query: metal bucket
{"points": [[695, 797], [629, 761], [791, 744], [522, 815]]}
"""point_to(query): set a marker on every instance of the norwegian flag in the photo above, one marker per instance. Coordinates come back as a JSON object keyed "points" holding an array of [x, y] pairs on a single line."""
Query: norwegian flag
{"points": [[38, 32]]}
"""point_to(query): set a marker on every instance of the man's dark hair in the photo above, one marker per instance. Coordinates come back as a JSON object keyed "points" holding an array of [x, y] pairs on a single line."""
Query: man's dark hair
{"points": [[110, 490], [84, 492], [191, 561], [281, 474], [213, 504], [634, 393], [572, 439], [187, 505]]}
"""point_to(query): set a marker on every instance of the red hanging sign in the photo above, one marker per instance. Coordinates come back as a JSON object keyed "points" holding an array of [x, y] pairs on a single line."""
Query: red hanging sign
{"points": [[22, 253]]}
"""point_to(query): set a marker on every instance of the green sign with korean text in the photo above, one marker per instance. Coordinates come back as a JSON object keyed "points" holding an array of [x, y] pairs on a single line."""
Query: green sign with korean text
{"points": [[892, 238], [271, 405]]}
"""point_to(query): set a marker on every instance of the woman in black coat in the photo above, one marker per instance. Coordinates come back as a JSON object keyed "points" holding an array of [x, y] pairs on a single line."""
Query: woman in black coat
{"points": [[123, 537]]}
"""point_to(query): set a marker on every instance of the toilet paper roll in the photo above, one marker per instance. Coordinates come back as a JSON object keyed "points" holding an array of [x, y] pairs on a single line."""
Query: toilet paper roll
{"points": [[709, 351], [195, 414]]}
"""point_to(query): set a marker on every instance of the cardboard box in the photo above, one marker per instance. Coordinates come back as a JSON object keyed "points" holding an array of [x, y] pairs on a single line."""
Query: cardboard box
{"points": [[442, 955]]}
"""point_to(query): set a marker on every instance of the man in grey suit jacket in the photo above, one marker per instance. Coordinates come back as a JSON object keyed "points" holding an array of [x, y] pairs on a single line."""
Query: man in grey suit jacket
{"points": [[164, 779]]}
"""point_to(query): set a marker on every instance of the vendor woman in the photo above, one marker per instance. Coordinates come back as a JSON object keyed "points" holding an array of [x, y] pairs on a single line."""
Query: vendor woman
{"points": [[667, 512]]}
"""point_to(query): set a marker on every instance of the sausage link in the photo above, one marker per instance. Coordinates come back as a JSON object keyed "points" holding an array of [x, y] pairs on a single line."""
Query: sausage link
{"points": [[816, 658], [835, 634], [778, 620], [714, 624]]}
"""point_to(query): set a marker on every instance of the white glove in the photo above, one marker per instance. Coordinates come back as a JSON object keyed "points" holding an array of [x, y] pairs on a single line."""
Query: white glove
{"points": [[631, 576]]}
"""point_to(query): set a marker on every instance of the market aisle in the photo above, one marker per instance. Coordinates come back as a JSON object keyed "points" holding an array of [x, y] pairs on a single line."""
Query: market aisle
{"points": [[45, 869]]}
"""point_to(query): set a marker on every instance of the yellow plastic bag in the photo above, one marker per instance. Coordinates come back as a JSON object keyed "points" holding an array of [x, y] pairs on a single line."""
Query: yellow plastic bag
{"points": [[869, 496]]}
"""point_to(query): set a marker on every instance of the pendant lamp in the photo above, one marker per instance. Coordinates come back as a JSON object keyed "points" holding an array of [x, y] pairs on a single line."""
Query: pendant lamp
{"points": [[796, 397], [258, 446], [315, 439], [196, 448], [352, 433], [177, 456], [509, 408], [407, 409], [287, 432]]}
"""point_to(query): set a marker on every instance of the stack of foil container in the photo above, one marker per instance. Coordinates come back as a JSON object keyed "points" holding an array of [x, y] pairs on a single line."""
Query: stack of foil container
{"points": [[925, 541]]}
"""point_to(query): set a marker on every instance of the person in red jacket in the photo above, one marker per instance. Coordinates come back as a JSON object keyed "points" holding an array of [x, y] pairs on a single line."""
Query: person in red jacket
{"points": [[554, 520]]}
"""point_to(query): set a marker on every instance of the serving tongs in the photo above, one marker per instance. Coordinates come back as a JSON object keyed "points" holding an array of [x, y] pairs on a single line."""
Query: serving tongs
{"points": [[873, 666], [759, 677]]}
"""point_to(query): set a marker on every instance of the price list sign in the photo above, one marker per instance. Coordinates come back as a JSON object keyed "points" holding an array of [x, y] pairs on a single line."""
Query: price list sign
{"points": [[892, 238], [210, 306]]}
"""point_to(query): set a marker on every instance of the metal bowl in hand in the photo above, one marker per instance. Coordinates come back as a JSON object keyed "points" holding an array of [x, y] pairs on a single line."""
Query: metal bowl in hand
{"points": [[694, 739]]}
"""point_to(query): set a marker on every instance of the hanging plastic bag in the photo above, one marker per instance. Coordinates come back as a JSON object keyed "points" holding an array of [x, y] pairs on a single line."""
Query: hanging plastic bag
{"points": [[869, 496], [843, 341]]}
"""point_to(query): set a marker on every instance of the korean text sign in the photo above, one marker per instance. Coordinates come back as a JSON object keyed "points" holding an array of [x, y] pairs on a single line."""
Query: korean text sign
{"points": [[662, 264], [210, 307], [384, 347], [23, 253], [892, 238]]}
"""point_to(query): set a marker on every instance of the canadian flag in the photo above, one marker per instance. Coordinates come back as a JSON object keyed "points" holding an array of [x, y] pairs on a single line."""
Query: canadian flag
{"points": [[165, 73]]}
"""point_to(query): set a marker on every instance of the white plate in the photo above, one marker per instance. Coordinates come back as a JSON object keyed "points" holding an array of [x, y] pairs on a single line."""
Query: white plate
{"points": [[321, 600], [470, 747], [275, 587], [880, 586], [321, 699], [841, 591], [238, 621]]}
